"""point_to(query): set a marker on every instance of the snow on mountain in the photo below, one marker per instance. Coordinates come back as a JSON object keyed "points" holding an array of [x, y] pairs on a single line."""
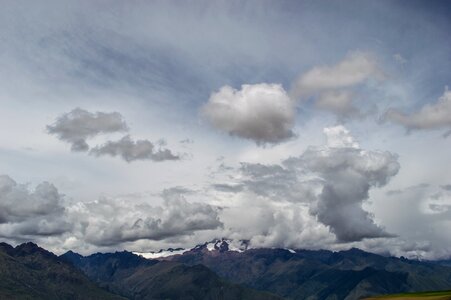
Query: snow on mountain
{"points": [[214, 246], [162, 253]]}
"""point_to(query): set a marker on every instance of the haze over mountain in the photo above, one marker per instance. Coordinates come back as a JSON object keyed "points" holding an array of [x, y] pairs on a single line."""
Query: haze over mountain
{"points": [[147, 125]]}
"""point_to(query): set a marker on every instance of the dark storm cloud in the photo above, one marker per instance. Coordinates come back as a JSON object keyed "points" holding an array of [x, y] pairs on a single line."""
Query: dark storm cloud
{"points": [[76, 126], [130, 150]]}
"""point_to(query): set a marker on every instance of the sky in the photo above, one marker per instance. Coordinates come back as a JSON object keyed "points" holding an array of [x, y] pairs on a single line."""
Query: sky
{"points": [[298, 124]]}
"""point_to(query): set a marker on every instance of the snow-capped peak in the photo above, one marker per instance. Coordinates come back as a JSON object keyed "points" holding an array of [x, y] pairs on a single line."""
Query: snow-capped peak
{"points": [[223, 245], [162, 253], [216, 245]]}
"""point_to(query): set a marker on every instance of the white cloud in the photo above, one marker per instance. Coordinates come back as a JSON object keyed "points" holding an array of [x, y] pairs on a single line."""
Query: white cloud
{"points": [[355, 68], [339, 102], [30, 213], [431, 116], [114, 221], [340, 137], [331, 183], [260, 112]]}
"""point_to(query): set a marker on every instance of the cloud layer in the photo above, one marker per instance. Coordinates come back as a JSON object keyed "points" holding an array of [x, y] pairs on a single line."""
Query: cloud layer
{"points": [[130, 150], [30, 215], [76, 126], [261, 112], [431, 116], [175, 218]]}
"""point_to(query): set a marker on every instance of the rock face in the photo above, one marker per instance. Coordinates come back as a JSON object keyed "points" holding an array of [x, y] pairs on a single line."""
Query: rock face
{"points": [[30, 272]]}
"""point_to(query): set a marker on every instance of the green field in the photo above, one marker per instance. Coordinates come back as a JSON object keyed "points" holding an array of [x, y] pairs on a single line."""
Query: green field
{"points": [[436, 295]]}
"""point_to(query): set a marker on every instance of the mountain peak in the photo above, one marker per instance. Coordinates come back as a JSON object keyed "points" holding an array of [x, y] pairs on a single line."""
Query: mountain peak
{"points": [[31, 248], [224, 245]]}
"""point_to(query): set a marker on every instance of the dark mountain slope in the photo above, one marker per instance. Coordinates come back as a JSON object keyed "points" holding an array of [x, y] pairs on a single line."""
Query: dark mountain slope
{"points": [[30, 272], [137, 278], [304, 274]]}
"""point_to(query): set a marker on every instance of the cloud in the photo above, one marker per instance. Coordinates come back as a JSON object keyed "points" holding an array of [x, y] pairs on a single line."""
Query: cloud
{"points": [[331, 86], [276, 182], [265, 113], [340, 137], [130, 150], [326, 185], [114, 222], [348, 173], [431, 116], [78, 125], [355, 68], [260, 112], [43, 214], [30, 213], [339, 102]]}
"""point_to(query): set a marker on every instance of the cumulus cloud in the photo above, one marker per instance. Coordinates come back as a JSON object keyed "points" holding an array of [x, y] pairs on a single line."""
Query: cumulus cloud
{"points": [[348, 173], [114, 222], [261, 112], [43, 213], [25, 212], [339, 137], [431, 116], [130, 150], [76, 126], [265, 113], [330, 183]]}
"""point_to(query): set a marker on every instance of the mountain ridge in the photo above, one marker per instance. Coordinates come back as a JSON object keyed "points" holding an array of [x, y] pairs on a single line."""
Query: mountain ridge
{"points": [[214, 270]]}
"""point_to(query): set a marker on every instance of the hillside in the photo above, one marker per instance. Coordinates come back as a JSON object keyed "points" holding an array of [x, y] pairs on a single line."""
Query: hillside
{"points": [[217, 271], [30, 272], [138, 278], [305, 274]]}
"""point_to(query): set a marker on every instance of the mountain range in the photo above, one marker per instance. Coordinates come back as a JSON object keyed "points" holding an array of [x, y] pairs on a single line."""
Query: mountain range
{"points": [[221, 269]]}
